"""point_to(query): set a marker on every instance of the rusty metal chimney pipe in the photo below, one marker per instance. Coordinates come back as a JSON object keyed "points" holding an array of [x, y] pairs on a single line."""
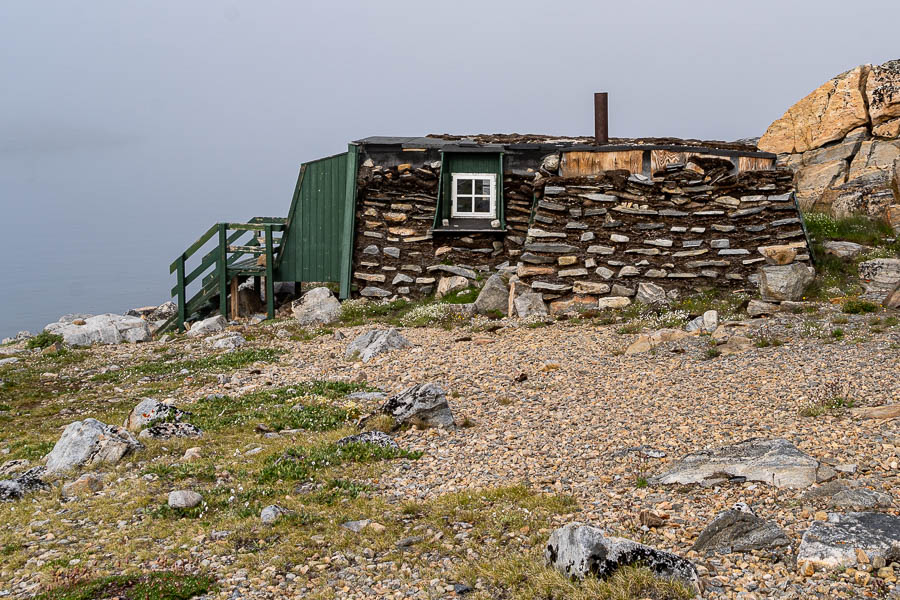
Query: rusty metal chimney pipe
{"points": [[601, 118]]}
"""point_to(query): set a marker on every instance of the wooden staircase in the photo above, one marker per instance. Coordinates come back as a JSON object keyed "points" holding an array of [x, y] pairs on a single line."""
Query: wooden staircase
{"points": [[242, 250]]}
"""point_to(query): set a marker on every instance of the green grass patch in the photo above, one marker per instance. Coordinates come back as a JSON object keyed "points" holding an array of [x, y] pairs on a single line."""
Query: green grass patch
{"points": [[300, 463], [855, 306], [466, 296], [337, 490], [228, 361], [159, 585], [837, 333], [301, 406], [43, 339], [857, 228], [827, 406]]}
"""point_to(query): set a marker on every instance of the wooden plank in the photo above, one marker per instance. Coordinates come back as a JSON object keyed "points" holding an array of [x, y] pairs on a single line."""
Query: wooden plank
{"points": [[659, 159], [754, 163], [270, 269], [254, 226], [575, 164], [194, 247], [181, 292], [235, 304], [222, 270], [246, 250]]}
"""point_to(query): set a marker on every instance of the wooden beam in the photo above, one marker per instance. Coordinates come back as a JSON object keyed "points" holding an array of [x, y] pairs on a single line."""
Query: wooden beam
{"points": [[181, 292], [222, 270], [270, 271], [575, 164], [235, 300]]}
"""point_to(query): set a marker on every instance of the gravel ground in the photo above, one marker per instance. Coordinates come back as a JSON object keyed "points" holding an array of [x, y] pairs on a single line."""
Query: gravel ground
{"points": [[562, 410]]}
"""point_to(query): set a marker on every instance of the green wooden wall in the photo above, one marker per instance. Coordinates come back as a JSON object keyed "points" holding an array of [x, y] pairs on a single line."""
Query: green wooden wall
{"points": [[475, 162], [317, 245]]}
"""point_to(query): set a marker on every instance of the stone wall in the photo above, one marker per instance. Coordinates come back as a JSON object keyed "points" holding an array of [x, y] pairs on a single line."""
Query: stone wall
{"points": [[394, 251], [687, 228]]}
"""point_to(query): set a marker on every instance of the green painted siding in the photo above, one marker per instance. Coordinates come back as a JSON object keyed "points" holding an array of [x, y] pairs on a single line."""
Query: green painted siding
{"points": [[476, 162], [316, 243]]}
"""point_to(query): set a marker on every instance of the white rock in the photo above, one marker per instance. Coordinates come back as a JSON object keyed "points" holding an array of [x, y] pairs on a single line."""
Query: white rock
{"points": [[613, 302], [184, 499], [207, 326], [318, 306], [90, 442], [102, 329]]}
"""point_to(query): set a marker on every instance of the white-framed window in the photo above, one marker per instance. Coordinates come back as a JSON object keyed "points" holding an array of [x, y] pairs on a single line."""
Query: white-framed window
{"points": [[474, 195]]}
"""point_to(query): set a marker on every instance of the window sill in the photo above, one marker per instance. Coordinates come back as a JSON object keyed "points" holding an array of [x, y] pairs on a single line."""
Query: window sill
{"points": [[473, 225]]}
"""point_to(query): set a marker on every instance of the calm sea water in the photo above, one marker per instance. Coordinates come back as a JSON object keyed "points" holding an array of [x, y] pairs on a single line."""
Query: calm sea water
{"points": [[93, 230]]}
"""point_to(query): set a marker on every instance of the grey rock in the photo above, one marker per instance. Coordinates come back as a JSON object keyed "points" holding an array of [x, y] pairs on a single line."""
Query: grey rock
{"points": [[318, 306], [102, 329], [454, 270], [860, 499], [529, 303], [149, 411], [377, 341], [739, 530], [24, 483], [376, 438], [184, 499], [367, 396], [707, 322], [578, 551], [230, 340], [784, 282], [650, 293], [551, 248], [776, 462], [879, 276], [422, 405], [356, 526], [494, 296], [169, 430], [207, 326], [272, 513], [371, 291], [758, 308], [833, 543], [847, 250], [90, 442], [621, 290]]}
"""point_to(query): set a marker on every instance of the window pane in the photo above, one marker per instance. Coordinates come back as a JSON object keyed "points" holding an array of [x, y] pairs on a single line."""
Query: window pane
{"points": [[482, 204], [464, 203], [482, 186], [463, 186]]}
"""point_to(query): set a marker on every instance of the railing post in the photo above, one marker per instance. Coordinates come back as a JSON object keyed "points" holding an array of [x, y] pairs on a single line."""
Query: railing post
{"points": [[270, 271], [222, 270], [181, 293]]}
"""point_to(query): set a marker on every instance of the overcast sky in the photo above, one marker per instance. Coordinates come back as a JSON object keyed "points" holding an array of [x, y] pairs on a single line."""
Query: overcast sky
{"points": [[126, 128]]}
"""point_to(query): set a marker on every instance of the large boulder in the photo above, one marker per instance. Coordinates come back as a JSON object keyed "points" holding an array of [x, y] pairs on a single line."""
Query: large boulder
{"points": [[836, 543], [207, 326], [101, 329], [784, 282], [738, 529], [892, 299], [90, 442], [776, 462], [318, 306], [578, 551], [494, 297], [422, 405], [368, 345], [842, 143], [848, 250], [827, 114]]}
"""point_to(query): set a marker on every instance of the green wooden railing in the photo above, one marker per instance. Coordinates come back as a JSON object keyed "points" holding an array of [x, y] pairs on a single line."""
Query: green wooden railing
{"points": [[227, 260]]}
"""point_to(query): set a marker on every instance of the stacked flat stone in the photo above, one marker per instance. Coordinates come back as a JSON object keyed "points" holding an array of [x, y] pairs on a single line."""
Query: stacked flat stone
{"points": [[605, 235]]}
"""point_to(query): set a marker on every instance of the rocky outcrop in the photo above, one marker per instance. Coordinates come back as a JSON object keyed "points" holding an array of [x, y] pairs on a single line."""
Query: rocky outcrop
{"points": [[90, 442], [879, 277], [738, 529], [368, 345], [375, 438], [842, 143], [422, 405], [776, 462], [24, 483], [837, 542], [579, 551], [100, 329], [149, 411], [318, 306]]}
